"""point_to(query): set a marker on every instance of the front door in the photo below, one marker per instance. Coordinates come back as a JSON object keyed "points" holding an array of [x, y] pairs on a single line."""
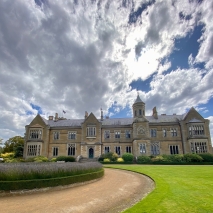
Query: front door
{"points": [[91, 152]]}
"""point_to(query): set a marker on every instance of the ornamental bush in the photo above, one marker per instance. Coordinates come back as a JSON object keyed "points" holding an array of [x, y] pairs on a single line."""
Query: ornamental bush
{"points": [[106, 160], [128, 157], [120, 160], [192, 158], [143, 159], [65, 158], [207, 157]]}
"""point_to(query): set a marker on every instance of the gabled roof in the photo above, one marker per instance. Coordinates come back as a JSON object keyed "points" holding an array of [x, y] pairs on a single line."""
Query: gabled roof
{"points": [[164, 118]]}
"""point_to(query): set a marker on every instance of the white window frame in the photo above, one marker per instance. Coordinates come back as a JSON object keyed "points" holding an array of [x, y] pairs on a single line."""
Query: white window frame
{"points": [[155, 148], [199, 147], [106, 134], [71, 149], [71, 135], [118, 150], [128, 149], [174, 149], [34, 149], [153, 133], [127, 134], [164, 130], [91, 131], [117, 134], [173, 132], [142, 148], [35, 134], [106, 149], [56, 135], [55, 150]]}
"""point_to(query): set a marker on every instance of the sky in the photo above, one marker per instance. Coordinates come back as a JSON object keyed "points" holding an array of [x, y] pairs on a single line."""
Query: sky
{"points": [[84, 55]]}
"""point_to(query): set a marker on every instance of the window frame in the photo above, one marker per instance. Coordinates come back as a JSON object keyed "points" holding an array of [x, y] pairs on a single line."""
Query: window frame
{"points": [[36, 133], [117, 134], [155, 148], [55, 151], [106, 149], [106, 133], [142, 148], [71, 135], [56, 135], [71, 149], [174, 149], [128, 149], [153, 133], [91, 132], [116, 150], [127, 134]]}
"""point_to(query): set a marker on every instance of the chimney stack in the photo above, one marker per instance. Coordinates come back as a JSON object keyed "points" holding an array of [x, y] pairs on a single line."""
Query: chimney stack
{"points": [[50, 117], [86, 114], [102, 117], [56, 116], [155, 113]]}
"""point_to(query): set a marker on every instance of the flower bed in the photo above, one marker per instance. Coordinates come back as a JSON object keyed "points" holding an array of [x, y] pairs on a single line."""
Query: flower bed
{"points": [[37, 175]]}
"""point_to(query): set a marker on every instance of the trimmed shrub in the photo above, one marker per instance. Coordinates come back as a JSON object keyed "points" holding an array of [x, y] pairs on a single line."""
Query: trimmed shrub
{"points": [[40, 159], [53, 160], [120, 160], [143, 159], [65, 158], [192, 158], [106, 160], [128, 157], [207, 157], [114, 157], [158, 158], [40, 183]]}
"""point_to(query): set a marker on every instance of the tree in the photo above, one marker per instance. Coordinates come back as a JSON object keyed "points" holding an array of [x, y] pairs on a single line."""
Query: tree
{"points": [[14, 144]]}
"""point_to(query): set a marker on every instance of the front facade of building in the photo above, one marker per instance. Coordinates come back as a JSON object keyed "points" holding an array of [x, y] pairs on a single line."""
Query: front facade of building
{"points": [[141, 135]]}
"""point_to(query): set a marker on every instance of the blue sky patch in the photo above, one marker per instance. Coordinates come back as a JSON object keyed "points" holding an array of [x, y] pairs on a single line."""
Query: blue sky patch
{"points": [[38, 108]]}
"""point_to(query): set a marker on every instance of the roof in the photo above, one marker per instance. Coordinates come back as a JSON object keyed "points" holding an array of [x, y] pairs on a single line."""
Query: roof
{"points": [[68, 122], [115, 121], [138, 100]]}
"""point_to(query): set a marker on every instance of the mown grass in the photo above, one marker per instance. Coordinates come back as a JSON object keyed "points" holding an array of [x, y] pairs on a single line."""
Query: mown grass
{"points": [[178, 189]]}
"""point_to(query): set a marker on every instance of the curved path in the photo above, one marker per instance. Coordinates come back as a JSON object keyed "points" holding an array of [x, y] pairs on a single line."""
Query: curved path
{"points": [[116, 191]]}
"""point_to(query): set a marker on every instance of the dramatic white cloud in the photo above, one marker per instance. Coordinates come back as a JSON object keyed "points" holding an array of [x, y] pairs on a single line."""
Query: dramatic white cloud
{"points": [[83, 55]]}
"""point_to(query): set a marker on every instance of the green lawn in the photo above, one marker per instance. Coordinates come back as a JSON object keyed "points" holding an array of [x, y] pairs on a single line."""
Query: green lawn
{"points": [[178, 188]]}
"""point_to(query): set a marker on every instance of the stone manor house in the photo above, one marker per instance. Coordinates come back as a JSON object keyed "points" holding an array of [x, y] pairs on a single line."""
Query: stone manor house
{"points": [[139, 135]]}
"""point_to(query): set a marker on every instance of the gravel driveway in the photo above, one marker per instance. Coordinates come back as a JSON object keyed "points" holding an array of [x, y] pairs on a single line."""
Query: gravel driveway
{"points": [[116, 191]]}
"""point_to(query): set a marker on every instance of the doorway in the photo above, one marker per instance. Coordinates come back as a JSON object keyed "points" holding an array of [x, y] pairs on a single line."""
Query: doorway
{"points": [[91, 153]]}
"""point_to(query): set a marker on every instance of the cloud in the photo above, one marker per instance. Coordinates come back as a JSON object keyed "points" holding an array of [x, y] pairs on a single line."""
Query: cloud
{"points": [[63, 55]]}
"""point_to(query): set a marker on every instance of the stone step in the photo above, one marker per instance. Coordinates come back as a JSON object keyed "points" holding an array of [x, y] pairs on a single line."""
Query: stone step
{"points": [[83, 160]]}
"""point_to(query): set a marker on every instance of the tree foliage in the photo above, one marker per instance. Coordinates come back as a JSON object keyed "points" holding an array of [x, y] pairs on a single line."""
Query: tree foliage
{"points": [[14, 144]]}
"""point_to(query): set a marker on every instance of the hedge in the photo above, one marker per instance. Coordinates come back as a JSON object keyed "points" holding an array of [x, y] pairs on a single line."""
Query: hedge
{"points": [[41, 183]]}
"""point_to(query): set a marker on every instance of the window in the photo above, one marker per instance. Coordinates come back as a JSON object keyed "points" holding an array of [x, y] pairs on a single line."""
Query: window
{"points": [[56, 135], [196, 130], [142, 148], [174, 150], [164, 133], [117, 134], [118, 150], [199, 147], [106, 134], [140, 112], [127, 134], [153, 132], [173, 132], [135, 113], [33, 150], [71, 149], [128, 149], [91, 131], [155, 148], [106, 149], [35, 134], [55, 151], [71, 135]]}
